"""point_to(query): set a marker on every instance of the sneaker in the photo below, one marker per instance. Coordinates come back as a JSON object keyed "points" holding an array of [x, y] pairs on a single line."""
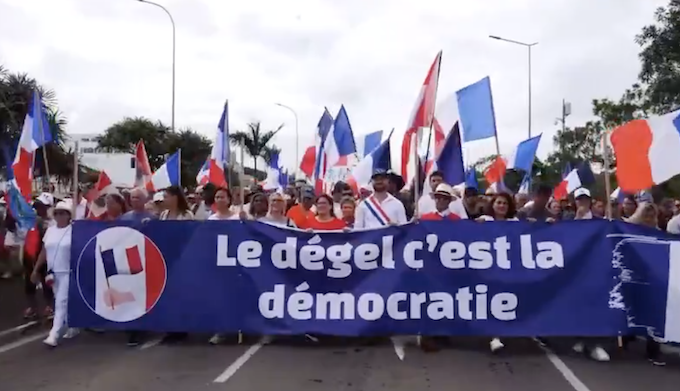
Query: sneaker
{"points": [[216, 339], [29, 313], [579, 347], [496, 345], [657, 362], [599, 354], [51, 341], [71, 333]]}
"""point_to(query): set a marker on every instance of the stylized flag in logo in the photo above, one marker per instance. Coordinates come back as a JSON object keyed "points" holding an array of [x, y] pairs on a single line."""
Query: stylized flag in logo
{"points": [[126, 262]]}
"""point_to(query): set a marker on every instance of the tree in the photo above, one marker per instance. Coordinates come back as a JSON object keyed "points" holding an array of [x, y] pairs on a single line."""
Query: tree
{"points": [[255, 142], [16, 91], [660, 59], [159, 141]]}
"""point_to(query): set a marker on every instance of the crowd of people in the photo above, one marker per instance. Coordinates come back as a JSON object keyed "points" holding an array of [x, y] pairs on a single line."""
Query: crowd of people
{"points": [[298, 206]]}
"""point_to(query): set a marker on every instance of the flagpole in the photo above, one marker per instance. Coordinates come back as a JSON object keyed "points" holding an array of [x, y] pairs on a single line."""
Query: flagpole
{"points": [[179, 158], [242, 179], [75, 181], [42, 138]]}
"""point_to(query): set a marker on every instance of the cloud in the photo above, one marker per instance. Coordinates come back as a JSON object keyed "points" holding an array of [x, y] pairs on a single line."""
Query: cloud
{"points": [[108, 59]]}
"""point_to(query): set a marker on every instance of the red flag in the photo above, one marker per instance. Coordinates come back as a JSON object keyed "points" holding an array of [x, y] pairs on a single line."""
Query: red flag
{"points": [[421, 117], [142, 166], [32, 243]]}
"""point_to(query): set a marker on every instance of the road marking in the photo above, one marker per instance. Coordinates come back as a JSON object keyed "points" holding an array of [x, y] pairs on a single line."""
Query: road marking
{"points": [[150, 344], [18, 328], [236, 365], [568, 374], [22, 342], [399, 347]]}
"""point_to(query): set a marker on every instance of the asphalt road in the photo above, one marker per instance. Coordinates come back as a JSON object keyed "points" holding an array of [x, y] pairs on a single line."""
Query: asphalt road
{"points": [[103, 362]]}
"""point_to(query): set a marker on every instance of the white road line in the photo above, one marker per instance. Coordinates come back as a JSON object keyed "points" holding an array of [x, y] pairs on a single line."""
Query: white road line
{"points": [[236, 365], [399, 347], [568, 374], [150, 344], [22, 342], [18, 328]]}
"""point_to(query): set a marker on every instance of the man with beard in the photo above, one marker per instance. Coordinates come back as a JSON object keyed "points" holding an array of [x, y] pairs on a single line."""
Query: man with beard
{"points": [[381, 208]]}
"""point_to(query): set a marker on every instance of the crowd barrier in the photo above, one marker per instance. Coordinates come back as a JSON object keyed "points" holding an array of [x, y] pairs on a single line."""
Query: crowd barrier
{"points": [[575, 278]]}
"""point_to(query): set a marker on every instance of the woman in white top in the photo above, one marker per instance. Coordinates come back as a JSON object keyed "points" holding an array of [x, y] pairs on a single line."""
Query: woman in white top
{"points": [[57, 254], [177, 207], [277, 212], [223, 206], [501, 208]]}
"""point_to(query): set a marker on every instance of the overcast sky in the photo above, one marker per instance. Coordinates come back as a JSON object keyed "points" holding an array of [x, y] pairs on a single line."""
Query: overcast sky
{"points": [[107, 59]]}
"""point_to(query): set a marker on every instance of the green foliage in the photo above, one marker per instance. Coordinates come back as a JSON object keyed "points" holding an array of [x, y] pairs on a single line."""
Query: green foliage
{"points": [[159, 141], [256, 141]]}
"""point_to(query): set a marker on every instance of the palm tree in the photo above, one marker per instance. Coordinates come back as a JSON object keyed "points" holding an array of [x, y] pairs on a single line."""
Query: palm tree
{"points": [[254, 140]]}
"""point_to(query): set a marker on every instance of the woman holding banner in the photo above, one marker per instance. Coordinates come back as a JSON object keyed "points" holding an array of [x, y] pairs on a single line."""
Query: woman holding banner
{"points": [[277, 212], [223, 210], [56, 254], [325, 219]]}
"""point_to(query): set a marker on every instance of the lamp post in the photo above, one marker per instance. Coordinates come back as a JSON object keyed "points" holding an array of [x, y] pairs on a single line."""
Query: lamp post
{"points": [[172, 21], [528, 46], [297, 137]]}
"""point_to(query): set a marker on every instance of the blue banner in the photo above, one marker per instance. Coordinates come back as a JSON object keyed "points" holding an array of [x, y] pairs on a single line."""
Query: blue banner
{"points": [[577, 278]]}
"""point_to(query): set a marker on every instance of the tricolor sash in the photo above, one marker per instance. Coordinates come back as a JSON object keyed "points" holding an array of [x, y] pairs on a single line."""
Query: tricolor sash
{"points": [[377, 211]]}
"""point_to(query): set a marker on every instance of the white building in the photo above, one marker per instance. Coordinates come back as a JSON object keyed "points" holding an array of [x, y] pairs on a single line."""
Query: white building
{"points": [[120, 167]]}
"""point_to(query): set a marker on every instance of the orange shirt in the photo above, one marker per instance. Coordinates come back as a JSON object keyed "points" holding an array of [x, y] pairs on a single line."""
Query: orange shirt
{"points": [[436, 216], [329, 225], [299, 216]]}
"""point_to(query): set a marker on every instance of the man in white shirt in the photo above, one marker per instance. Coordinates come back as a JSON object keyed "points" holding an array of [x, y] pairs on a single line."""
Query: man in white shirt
{"points": [[426, 203], [380, 209]]}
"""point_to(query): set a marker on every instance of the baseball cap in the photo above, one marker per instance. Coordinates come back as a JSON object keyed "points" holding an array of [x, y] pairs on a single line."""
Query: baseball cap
{"points": [[307, 192], [46, 199], [581, 192]]}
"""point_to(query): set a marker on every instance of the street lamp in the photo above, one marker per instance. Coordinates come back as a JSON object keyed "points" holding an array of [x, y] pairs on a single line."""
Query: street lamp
{"points": [[297, 137], [528, 46], [173, 57]]}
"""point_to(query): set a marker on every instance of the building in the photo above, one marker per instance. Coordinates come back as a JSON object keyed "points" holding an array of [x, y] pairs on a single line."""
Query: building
{"points": [[120, 167]]}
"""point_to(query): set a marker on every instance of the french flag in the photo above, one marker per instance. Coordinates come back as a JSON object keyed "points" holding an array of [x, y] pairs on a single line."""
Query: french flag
{"points": [[202, 176], [525, 185], [581, 176], [378, 160], [645, 151], [169, 174], [369, 142], [274, 174], [339, 143], [142, 166], [307, 164], [449, 161], [219, 156], [124, 261], [323, 128], [103, 187], [34, 134], [521, 158], [422, 117]]}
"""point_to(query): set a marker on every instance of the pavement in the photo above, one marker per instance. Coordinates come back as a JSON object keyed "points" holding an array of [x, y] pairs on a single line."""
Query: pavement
{"points": [[103, 362]]}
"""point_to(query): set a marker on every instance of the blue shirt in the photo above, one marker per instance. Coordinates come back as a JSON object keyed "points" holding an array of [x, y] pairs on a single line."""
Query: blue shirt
{"points": [[136, 216]]}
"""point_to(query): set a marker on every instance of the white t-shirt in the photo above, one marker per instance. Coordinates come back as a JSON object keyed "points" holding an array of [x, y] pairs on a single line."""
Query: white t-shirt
{"points": [[426, 204], [215, 216], [57, 243], [490, 218]]}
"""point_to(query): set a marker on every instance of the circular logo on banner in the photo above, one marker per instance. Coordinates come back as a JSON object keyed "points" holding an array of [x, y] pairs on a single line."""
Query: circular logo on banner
{"points": [[121, 274]]}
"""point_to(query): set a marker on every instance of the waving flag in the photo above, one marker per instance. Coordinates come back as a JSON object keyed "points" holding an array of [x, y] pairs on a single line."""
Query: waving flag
{"points": [[274, 173], [142, 166], [339, 143], [169, 174], [128, 261], [422, 117], [219, 156], [368, 143], [581, 176], [471, 179], [525, 185], [103, 187], [202, 176], [323, 128], [308, 161], [449, 161], [378, 160], [475, 107], [522, 158], [645, 151], [34, 134]]}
